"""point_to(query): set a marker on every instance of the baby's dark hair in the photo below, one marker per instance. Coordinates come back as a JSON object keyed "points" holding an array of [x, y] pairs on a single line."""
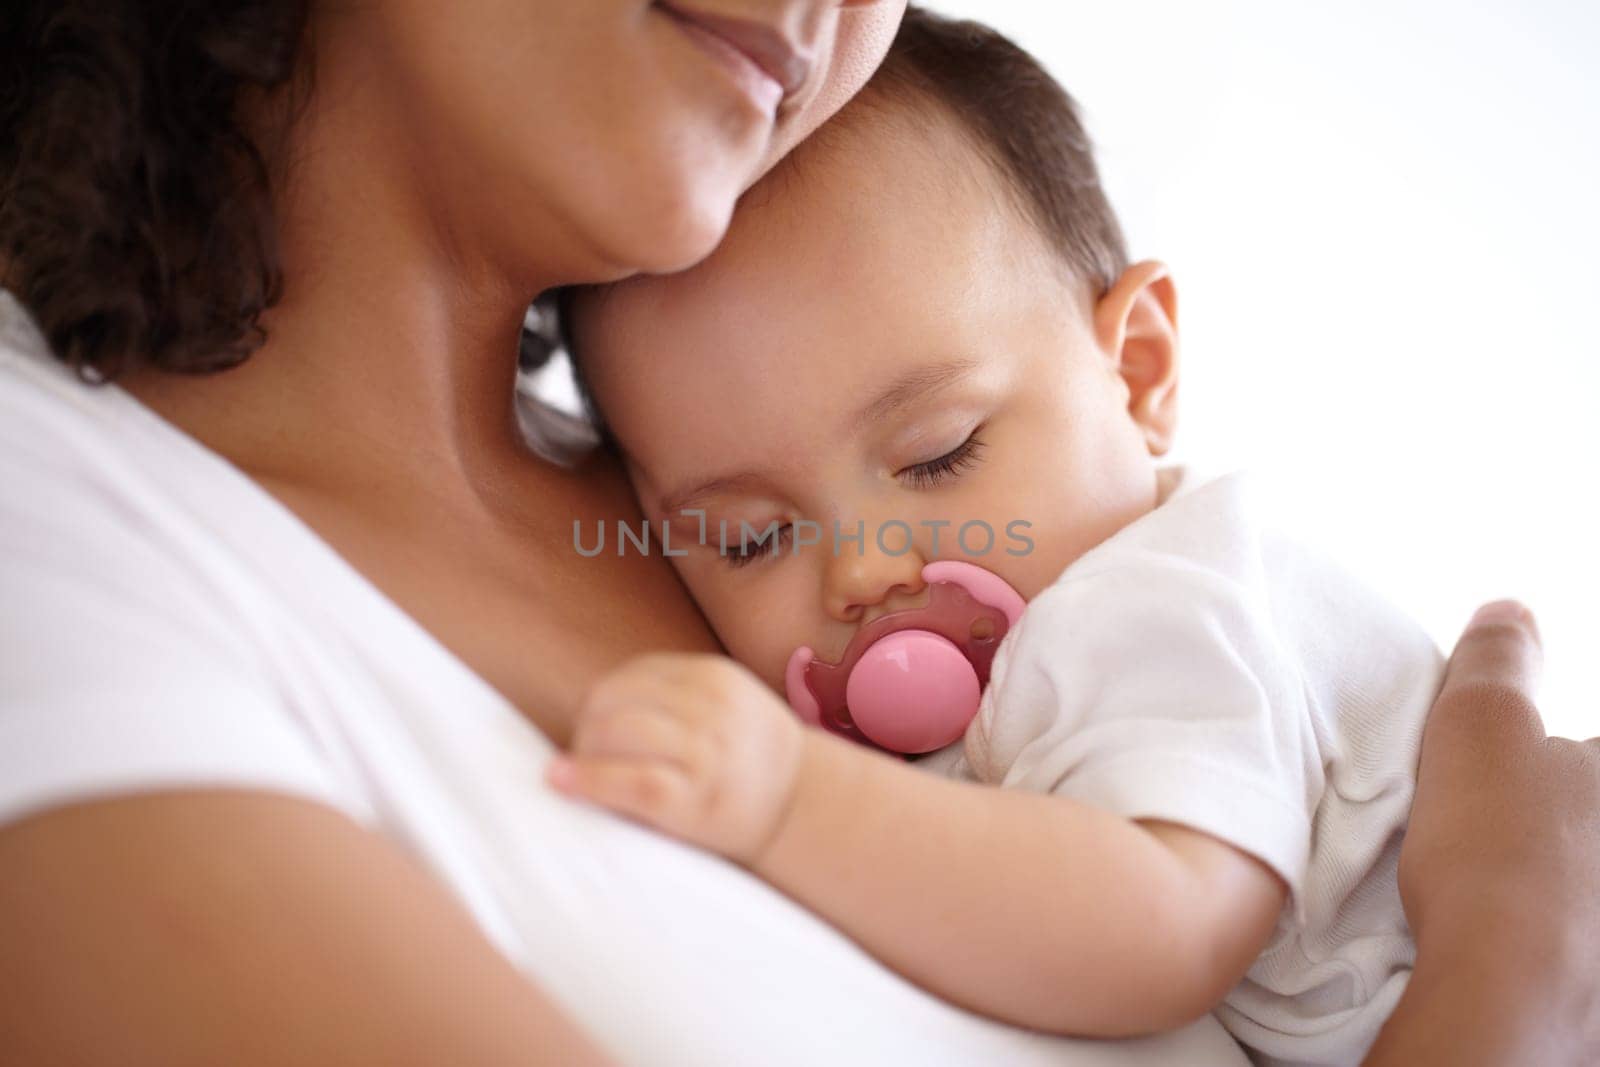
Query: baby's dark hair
{"points": [[1022, 121], [1015, 114]]}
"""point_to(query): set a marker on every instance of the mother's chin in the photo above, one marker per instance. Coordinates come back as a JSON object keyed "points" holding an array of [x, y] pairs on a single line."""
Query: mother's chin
{"points": [[666, 225], [668, 204]]}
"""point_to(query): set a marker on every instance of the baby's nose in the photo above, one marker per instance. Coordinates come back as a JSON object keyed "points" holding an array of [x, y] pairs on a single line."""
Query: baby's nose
{"points": [[864, 575]]}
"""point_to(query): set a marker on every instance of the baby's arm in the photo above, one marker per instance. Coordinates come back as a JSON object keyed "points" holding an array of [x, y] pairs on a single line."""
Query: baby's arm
{"points": [[1032, 909]]}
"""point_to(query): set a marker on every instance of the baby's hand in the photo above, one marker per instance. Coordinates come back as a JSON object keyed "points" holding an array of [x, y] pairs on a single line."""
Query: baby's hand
{"points": [[693, 745]]}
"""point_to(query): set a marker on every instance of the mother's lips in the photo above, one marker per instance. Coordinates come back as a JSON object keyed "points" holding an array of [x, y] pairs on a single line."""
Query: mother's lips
{"points": [[782, 60]]}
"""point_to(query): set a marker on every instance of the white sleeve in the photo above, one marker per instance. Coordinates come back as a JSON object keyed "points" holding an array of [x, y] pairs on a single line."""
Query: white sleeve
{"points": [[1156, 689], [120, 669]]}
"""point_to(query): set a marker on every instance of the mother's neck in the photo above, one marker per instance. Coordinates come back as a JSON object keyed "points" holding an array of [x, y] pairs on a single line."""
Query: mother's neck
{"points": [[393, 350]]}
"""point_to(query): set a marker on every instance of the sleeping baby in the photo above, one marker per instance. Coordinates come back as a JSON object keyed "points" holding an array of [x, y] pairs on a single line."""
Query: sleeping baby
{"points": [[919, 381]]}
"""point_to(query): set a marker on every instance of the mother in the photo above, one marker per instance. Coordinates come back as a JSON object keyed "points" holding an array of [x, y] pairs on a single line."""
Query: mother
{"points": [[283, 649]]}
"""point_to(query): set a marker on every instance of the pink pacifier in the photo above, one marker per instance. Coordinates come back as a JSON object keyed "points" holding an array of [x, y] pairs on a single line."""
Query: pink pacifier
{"points": [[909, 682]]}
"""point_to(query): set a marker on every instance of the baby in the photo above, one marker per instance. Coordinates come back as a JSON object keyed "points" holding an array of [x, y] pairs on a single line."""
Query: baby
{"points": [[921, 326]]}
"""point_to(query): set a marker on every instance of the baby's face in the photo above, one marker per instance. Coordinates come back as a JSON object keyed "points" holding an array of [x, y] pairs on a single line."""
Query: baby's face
{"points": [[879, 340]]}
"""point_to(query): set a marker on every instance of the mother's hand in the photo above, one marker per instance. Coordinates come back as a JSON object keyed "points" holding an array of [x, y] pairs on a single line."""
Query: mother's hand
{"points": [[1500, 871]]}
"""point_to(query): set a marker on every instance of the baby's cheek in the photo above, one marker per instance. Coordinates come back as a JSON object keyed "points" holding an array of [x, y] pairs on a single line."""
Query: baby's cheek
{"points": [[1058, 530], [763, 651], [1026, 536], [758, 622]]}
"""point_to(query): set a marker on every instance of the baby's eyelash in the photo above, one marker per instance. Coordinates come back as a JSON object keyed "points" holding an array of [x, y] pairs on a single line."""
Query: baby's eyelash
{"points": [[742, 555], [935, 471], [920, 476]]}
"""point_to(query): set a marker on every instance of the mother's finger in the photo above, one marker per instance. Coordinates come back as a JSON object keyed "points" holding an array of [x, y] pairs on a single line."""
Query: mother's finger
{"points": [[1501, 645], [1486, 704]]}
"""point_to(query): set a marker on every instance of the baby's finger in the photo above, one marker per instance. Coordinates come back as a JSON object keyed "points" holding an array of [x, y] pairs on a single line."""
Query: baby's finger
{"points": [[654, 793], [690, 677], [666, 693], [646, 732], [653, 672]]}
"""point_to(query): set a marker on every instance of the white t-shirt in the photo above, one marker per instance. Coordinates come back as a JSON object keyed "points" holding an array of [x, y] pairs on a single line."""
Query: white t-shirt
{"points": [[165, 622], [1199, 667]]}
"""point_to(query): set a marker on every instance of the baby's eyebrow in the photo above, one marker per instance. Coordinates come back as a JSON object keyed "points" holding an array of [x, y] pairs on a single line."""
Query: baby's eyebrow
{"points": [[909, 387], [675, 502]]}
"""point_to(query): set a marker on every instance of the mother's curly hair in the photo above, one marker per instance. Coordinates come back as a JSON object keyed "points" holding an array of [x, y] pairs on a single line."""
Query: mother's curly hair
{"points": [[136, 215]]}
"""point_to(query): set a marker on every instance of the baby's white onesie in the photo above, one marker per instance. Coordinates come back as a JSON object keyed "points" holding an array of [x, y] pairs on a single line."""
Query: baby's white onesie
{"points": [[1200, 668]]}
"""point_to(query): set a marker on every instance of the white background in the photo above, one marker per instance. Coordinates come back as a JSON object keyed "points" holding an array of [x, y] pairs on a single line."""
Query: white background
{"points": [[1383, 222]]}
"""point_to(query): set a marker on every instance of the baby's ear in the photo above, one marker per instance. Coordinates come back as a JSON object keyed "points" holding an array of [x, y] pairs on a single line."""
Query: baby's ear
{"points": [[1136, 324]]}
